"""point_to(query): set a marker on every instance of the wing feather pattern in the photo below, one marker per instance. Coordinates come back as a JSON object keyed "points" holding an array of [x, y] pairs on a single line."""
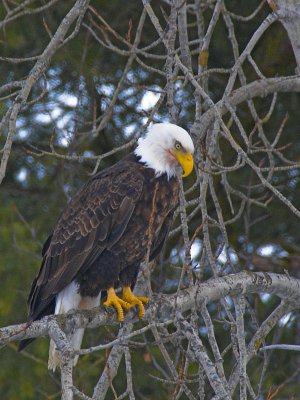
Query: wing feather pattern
{"points": [[94, 220]]}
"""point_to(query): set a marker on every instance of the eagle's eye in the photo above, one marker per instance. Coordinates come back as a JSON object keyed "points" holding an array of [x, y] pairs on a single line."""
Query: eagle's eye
{"points": [[178, 146]]}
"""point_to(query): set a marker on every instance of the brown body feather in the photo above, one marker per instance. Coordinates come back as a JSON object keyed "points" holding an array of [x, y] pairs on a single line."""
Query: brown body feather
{"points": [[102, 235]]}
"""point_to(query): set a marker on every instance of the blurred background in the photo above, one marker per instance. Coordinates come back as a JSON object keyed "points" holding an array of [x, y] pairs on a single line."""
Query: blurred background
{"points": [[90, 101]]}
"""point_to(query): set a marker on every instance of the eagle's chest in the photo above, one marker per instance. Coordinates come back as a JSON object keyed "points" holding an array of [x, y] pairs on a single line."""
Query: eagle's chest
{"points": [[157, 202]]}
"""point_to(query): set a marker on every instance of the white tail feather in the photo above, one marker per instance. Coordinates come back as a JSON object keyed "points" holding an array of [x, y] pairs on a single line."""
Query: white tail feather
{"points": [[66, 300]]}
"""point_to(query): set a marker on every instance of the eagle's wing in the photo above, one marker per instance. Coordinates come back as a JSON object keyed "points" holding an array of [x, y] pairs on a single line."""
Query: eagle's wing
{"points": [[93, 220]]}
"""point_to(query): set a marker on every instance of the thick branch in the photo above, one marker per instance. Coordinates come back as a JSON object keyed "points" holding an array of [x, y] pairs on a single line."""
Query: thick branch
{"points": [[289, 15], [258, 88], [162, 307]]}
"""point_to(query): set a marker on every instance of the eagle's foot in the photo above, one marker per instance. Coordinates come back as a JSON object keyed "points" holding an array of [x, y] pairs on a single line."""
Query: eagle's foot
{"points": [[114, 301], [133, 300]]}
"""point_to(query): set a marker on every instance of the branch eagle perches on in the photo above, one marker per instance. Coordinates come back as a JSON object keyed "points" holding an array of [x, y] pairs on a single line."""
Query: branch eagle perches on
{"points": [[163, 307], [164, 310]]}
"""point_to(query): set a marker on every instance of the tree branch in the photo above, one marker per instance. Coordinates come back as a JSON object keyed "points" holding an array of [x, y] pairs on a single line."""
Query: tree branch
{"points": [[39, 68], [161, 307]]}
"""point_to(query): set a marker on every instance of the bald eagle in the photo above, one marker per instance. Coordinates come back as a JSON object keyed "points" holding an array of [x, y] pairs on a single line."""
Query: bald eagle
{"points": [[104, 232]]}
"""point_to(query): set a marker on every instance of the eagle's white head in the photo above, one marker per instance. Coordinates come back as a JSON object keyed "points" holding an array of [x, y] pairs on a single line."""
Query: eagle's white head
{"points": [[164, 147]]}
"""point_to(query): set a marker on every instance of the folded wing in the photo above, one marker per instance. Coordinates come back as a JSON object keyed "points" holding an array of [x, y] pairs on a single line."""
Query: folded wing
{"points": [[93, 220]]}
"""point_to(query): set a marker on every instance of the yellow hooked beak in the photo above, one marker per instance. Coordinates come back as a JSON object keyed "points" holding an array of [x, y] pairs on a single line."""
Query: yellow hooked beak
{"points": [[185, 160]]}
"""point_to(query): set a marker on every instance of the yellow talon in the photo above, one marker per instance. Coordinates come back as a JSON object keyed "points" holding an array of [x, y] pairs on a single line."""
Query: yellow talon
{"points": [[133, 300], [115, 301]]}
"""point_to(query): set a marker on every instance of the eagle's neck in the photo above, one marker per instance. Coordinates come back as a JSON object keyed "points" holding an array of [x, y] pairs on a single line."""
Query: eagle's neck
{"points": [[155, 156]]}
